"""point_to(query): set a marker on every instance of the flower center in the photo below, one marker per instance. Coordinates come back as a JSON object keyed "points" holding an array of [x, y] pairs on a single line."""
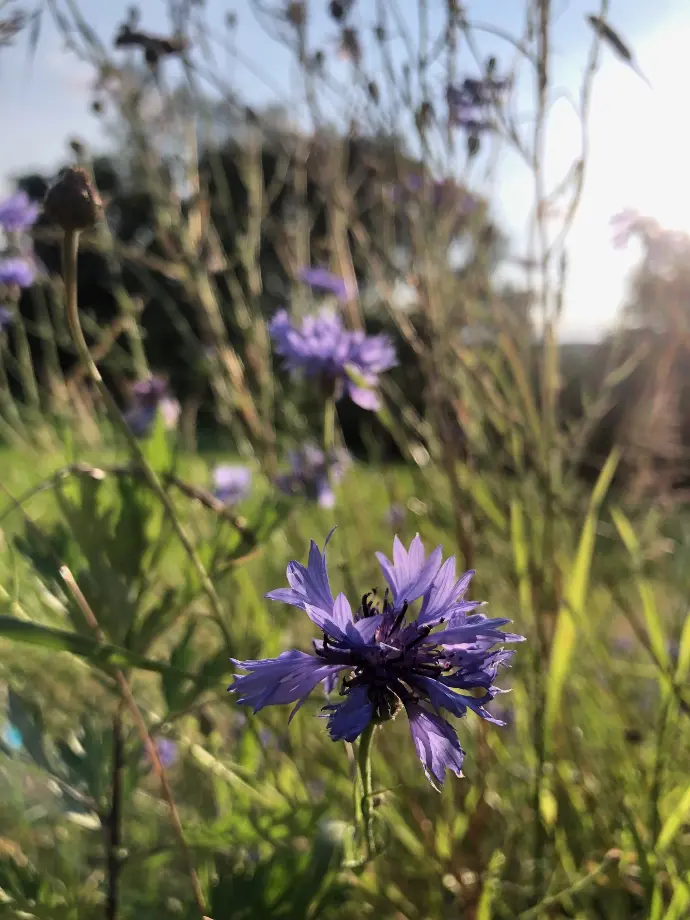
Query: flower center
{"points": [[386, 703]]}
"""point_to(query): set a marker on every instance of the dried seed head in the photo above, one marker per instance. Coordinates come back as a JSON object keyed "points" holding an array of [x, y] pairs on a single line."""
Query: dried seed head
{"points": [[72, 202]]}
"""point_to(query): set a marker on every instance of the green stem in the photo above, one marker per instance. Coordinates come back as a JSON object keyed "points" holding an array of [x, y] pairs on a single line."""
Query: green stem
{"points": [[329, 427], [364, 766], [70, 248]]}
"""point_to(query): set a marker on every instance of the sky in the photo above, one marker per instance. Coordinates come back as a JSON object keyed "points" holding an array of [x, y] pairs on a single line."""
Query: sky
{"points": [[639, 146]]}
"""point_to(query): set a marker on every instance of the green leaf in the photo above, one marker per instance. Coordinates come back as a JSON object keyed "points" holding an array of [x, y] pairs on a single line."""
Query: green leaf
{"points": [[575, 596], [103, 656]]}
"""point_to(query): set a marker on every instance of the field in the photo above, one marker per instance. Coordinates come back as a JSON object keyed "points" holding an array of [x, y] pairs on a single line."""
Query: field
{"points": [[239, 332]]}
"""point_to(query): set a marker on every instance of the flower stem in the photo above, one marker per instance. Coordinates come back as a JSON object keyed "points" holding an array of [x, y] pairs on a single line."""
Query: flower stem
{"points": [[364, 766], [329, 427], [70, 249]]}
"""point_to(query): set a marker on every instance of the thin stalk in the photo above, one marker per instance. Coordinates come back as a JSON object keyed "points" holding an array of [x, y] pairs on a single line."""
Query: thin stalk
{"points": [[114, 828], [364, 767], [145, 737], [70, 250]]}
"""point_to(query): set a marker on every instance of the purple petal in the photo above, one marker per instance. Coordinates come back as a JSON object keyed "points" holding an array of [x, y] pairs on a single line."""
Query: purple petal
{"points": [[308, 585], [289, 678], [320, 279], [437, 744], [457, 704], [409, 576], [348, 720], [364, 398], [439, 601]]}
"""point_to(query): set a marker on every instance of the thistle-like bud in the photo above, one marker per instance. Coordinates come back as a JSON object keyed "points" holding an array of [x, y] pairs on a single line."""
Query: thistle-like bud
{"points": [[72, 202]]}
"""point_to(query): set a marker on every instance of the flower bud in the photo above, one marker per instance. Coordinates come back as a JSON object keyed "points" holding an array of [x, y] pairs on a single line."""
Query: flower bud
{"points": [[72, 202]]}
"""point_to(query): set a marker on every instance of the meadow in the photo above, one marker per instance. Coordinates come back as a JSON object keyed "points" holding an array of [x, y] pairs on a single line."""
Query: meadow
{"points": [[205, 365]]}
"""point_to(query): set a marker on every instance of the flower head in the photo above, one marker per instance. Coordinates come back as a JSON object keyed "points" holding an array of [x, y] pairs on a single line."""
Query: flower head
{"points": [[167, 752], [313, 474], [17, 213], [16, 271], [439, 660], [231, 483], [322, 348], [148, 397], [6, 317], [469, 104], [323, 281]]}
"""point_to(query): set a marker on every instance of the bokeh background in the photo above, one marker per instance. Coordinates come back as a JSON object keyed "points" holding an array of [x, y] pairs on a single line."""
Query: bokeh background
{"points": [[498, 189]]}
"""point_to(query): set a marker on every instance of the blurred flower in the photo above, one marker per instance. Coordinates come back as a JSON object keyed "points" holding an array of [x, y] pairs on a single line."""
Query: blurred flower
{"points": [[312, 474], [6, 317], [167, 752], [16, 271], [320, 279], [231, 483], [396, 515], [148, 396], [469, 105], [323, 348], [17, 213], [12, 737], [390, 662]]}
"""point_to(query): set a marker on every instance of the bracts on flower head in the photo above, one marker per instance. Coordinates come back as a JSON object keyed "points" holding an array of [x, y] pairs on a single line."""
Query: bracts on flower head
{"points": [[387, 658]]}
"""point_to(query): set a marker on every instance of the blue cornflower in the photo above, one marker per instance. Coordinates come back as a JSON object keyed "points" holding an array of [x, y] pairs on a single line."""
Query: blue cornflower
{"points": [[231, 483], [16, 271], [469, 105], [17, 213], [313, 474], [323, 281], [167, 752], [323, 348], [392, 661], [148, 396]]}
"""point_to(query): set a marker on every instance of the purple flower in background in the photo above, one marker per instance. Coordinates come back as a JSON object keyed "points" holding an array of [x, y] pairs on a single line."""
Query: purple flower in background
{"points": [[17, 213], [322, 348], [391, 661], [148, 396], [231, 483], [469, 105], [167, 752], [313, 474], [396, 515], [320, 279], [6, 317], [18, 271]]}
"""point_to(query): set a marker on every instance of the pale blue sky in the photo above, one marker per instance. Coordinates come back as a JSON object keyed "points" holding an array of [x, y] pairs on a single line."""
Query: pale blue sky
{"points": [[640, 146]]}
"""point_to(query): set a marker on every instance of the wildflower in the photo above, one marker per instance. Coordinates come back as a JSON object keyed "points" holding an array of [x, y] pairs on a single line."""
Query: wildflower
{"points": [[396, 515], [6, 317], [167, 752], [323, 348], [392, 661], [16, 272], [148, 396], [17, 213], [469, 104], [231, 483], [320, 279], [313, 474]]}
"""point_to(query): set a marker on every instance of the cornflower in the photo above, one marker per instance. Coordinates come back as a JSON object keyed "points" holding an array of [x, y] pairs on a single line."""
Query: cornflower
{"points": [[313, 474], [322, 348], [387, 659]]}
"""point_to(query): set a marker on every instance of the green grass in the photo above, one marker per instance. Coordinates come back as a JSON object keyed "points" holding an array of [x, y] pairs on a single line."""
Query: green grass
{"points": [[265, 805]]}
